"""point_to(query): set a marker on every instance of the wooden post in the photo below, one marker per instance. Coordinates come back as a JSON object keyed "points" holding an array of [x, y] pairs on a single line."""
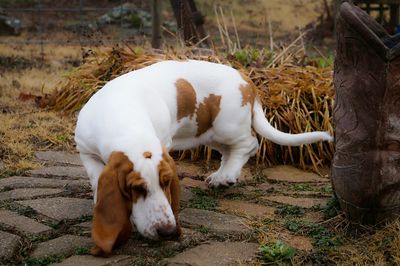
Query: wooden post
{"points": [[365, 167], [156, 24], [190, 21], [394, 16]]}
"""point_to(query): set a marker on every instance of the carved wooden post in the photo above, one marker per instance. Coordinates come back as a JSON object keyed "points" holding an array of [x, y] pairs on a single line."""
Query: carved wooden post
{"points": [[366, 164]]}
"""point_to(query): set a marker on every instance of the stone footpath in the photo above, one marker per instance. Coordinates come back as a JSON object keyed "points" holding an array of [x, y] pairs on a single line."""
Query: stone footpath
{"points": [[45, 216]]}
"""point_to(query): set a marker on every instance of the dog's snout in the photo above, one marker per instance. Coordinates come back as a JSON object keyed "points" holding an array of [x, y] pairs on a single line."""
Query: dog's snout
{"points": [[167, 231]]}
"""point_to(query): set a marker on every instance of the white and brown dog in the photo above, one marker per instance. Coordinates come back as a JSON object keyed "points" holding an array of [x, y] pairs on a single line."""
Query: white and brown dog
{"points": [[126, 129]]}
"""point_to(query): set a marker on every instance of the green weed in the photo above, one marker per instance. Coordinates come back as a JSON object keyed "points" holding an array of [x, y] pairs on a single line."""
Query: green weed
{"points": [[202, 200], [277, 252], [43, 261], [332, 208], [290, 210], [322, 237], [82, 251]]}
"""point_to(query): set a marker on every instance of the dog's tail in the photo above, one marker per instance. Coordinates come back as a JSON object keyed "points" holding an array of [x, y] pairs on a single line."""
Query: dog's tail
{"points": [[266, 130]]}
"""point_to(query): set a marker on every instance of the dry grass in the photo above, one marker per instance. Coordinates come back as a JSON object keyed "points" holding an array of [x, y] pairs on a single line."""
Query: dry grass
{"points": [[24, 128], [379, 246], [296, 99]]}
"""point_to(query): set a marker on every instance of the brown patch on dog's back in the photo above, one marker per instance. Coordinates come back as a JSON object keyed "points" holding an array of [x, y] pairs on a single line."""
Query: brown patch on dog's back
{"points": [[186, 99], [248, 91], [207, 112]]}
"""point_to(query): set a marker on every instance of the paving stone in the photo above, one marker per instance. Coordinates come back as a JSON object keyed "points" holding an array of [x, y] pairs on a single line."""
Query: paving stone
{"points": [[288, 173], [71, 172], [299, 242], [23, 193], [217, 253], [37, 182], [138, 245], [115, 260], [65, 245], [306, 193], [8, 245], [267, 187], [241, 190], [61, 208], [315, 217], [186, 194], [22, 223], [193, 183], [58, 157], [301, 202], [245, 175], [216, 223], [245, 208], [86, 225], [185, 169]]}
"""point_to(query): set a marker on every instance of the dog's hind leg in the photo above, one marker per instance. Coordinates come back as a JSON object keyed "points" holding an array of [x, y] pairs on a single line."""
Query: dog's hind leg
{"points": [[234, 157]]}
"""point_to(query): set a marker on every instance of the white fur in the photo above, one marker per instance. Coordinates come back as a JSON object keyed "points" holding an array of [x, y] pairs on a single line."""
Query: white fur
{"points": [[137, 112]]}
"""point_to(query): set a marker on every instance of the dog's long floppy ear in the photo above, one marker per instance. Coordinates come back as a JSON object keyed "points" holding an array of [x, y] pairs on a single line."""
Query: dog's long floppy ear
{"points": [[168, 167], [111, 225]]}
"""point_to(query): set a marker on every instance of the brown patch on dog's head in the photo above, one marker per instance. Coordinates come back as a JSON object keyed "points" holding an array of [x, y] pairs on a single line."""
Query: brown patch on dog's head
{"points": [[147, 155], [207, 112], [169, 183], [118, 188], [186, 99], [248, 91]]}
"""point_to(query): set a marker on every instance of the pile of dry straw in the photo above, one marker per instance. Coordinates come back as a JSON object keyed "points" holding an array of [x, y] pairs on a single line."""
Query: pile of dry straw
{"points": [[296, 99]]}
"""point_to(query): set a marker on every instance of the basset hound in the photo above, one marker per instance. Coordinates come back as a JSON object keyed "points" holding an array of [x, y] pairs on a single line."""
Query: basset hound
{"points": [[125, 130]]}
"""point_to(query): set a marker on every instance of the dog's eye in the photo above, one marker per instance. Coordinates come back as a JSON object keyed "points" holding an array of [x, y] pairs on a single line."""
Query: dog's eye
{"points": [[139, 189], [165, 183]]}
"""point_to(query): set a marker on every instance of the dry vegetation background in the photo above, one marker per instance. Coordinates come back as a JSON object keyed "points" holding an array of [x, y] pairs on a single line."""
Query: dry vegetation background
{"points": [[25, 128]]}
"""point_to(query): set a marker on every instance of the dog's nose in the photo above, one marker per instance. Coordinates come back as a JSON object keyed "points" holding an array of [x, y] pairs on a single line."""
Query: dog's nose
{"points": [[167, 232], [230, 183]]}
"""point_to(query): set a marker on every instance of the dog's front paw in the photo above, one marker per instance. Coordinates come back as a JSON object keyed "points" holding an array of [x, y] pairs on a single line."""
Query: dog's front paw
{"points": [[216, 180]]}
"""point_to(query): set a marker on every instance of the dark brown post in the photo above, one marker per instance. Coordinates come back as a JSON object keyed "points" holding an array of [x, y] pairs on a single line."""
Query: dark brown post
{"points": [[394, 16], [190, 21], [156, 24], [366, 164]]}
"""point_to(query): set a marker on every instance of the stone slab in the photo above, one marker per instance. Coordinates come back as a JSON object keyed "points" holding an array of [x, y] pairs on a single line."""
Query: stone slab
{"points": [[245, 208], [8, 245], [71, 172], [300, 202], [89, 260], [286, 173], [37, 182], [245, 175], [186, 194], [61, 208], [193, 183], [185, 169], [58, 157], [86, 225], [217, 253], [23, 193], [298, 242], [216, 223], [65, 245], [22, 223]]}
